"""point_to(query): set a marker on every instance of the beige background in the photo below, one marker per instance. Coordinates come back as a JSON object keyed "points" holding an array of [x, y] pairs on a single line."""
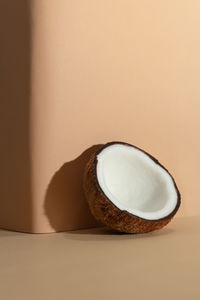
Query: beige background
{"points": [[101, 264], [102, 71]]}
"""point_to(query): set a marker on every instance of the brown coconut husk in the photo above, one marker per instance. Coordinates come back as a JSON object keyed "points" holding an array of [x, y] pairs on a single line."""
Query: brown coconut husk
{"points": [[107, 213]]}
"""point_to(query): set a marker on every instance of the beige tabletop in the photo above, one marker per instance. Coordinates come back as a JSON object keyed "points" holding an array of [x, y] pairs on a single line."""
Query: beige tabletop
{"points": [[100, 264]]}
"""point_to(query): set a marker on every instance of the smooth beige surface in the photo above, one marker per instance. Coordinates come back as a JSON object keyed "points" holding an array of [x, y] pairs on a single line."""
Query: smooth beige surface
{"points": [[78, 73], [100, 264], [115, 70]]}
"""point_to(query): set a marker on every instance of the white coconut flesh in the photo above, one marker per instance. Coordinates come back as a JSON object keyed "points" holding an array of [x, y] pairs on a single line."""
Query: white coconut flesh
{"points": [[133, 182]]}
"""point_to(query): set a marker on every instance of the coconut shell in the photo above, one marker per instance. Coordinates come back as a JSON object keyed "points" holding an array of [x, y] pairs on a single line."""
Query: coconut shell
{"points": [[110, 215]]}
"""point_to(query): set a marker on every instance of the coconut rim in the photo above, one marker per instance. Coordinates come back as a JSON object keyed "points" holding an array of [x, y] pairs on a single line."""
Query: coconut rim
{"points": [[94, 165]]}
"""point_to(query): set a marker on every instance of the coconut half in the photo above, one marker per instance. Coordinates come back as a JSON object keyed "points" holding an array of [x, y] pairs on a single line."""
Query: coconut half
{"points": [[129, 190]]}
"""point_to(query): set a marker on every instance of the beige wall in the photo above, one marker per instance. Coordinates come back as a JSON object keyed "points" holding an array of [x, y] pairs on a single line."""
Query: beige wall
{"points": [[15, 85], [111, 70]]}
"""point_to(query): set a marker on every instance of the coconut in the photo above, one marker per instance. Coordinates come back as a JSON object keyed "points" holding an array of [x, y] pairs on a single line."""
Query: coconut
{"points": [[129, 190]]}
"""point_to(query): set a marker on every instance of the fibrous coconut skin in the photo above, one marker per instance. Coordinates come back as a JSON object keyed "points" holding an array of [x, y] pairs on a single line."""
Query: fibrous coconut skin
{"points": [[107, 213]]}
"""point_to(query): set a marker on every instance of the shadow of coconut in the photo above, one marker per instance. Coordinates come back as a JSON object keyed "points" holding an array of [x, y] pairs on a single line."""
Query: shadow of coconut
{"points": [[65, 203], [104, 233]]}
